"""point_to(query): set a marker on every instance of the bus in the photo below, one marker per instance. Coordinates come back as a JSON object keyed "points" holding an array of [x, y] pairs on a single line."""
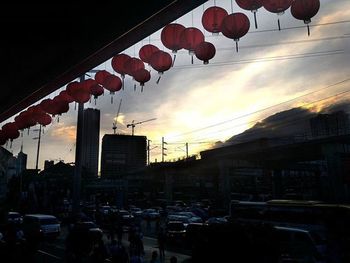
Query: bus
{"points": [[310, 215]]}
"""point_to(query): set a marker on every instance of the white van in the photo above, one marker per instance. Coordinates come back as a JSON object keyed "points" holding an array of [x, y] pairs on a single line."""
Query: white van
{"points": [[40, 225]]}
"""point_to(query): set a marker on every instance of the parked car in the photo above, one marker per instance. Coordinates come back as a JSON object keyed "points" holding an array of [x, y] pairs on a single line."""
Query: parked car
{"points": [[136, 211], [300, 245], [175, 232], [42, 226], [14, 217], [150, 214]]}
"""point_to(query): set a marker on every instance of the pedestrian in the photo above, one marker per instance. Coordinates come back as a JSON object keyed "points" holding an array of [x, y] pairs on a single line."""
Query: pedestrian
{"points": [[161, 243], [154, 258]]}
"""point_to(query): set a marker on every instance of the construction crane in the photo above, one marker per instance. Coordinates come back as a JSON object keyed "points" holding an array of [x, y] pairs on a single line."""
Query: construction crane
{"points": [[115, 120], [133, 124]]}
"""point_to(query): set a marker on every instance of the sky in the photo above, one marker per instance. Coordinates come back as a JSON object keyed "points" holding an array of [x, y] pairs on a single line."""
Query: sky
{"points": [[198, 104]]}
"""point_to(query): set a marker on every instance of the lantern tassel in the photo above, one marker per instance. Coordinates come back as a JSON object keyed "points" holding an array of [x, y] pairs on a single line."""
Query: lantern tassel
{"points": [[141, 88], [123, 81], [28, 131], [75, 106], [58, 119], [191, 59], [95, 101], [237, 46], [308, 30], [11, 144], [279, 24], [111, 99], [172, 65], [256, 22], [134, 86], [158, 79]]}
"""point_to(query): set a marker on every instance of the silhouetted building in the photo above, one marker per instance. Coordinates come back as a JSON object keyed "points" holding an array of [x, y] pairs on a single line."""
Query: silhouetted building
{"points": [[333, 124], [90, 141], [5, 155], [122, 154], [21, 163], [48, 164]]}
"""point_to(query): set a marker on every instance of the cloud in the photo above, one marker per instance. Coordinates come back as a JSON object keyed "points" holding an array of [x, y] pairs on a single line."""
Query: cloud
{"points": [[65, 133]]}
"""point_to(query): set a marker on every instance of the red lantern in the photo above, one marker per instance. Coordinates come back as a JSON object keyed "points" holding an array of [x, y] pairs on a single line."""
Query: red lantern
{"points": [[61, 106], [161, 61], [113, 84], [65, 96], [11, 130], [252, 5], [305, 10], [48, 106], [170, 37], [101, 75], [146, 52], [190, 38], [235, 26], [44, 119], [132, 65], [212, 19], [78, 91], [205, 51], [142, 76], [94, 88], [278, 7], [118, 62]]}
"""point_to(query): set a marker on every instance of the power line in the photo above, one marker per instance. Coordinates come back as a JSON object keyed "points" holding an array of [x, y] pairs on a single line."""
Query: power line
{"points": [[266, 59], [261, 110], [289, 116]]}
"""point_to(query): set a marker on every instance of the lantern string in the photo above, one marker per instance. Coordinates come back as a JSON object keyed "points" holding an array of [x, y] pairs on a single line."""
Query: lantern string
{"points": [[279, 24], [192, 17], [231, 6], [256, 23], [172, 65]]}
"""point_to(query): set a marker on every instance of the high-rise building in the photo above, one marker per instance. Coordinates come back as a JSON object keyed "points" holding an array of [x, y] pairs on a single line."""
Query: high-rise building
{"points": [[122, 154], [90, 141], [21, 164]]}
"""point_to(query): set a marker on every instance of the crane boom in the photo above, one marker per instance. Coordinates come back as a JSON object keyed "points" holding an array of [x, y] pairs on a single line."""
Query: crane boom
{"points": [[133, 124]]}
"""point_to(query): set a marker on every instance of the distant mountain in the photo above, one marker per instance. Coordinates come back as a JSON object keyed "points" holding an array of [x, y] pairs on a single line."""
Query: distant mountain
{"points": [[282, 124]]}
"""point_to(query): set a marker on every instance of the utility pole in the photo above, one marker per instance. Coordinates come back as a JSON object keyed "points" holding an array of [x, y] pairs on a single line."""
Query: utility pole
{"points": [[148, 151], [163, 149], [186, 150], [78, 157]]}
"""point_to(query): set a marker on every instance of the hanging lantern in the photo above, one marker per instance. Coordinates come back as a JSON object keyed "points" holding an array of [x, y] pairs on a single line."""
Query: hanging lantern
{"points": [[142, 76], [118, 62], [170, 37], [205, 51], [48, 107], [101, 75], [113, 84], [190, 38], [11, 130], [132, 65], [94, 88], [278, 7], [146, 52], [60, 106], [305, 10], [65, 96], [251, 5], [161, 61], [21, 121], [235, 26], [45, 119], [212, 19], [78, 91]]}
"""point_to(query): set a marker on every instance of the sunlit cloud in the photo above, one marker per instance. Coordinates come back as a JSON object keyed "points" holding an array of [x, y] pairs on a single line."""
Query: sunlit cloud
{"points": [[65, 133]]}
